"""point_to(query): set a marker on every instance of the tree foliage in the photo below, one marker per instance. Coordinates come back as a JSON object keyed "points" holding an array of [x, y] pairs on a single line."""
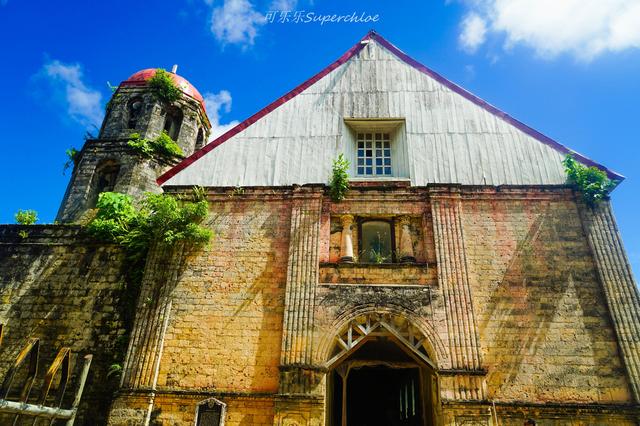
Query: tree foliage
{"points": [[592, 182], [339, 183], [161, 219]]}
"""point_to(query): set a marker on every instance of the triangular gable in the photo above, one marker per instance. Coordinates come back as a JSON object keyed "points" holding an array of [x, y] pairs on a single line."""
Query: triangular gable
{"points": [[397, 53]]}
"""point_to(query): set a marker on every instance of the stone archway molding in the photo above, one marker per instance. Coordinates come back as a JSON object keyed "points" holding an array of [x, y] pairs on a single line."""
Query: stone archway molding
{"points": [[353, 328]]}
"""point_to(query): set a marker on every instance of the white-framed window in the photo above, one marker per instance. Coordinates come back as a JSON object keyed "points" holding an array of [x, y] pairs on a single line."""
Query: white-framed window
{"points": [[373, 156]]}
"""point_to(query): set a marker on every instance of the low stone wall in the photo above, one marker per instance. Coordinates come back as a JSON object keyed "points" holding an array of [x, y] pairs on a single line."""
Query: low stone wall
{"points": [[60, 286]]}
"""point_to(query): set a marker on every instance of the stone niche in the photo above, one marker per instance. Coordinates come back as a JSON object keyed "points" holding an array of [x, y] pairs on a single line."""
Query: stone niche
{"points": [[377, 249]]}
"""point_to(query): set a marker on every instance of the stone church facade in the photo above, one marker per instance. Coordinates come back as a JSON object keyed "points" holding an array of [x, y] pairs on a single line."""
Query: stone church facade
{"points": [[460, 282]]}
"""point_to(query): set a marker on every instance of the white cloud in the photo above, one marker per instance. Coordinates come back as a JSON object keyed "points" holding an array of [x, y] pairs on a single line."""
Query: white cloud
{"points": [[583, 28], [474, 30], [82, 102], [286, 5], [215, 104], [236, 22]]}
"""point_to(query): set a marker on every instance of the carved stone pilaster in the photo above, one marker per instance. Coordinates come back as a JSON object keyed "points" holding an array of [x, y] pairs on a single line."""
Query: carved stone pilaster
{"points": [[142, 362], [346, 242], [453, 279], [406, 245], [302, 278], [619, 286]]}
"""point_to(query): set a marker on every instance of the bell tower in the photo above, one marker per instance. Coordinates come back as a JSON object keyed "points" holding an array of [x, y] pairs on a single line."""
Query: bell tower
{"points": [[140, 105]]}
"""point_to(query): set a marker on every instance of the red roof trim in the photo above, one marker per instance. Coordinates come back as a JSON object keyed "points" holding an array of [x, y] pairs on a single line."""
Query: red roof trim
{"points": [[409, 61], [266, 110], [493, 110]]}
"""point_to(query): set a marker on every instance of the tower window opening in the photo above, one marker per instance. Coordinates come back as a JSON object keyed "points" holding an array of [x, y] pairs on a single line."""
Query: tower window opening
{"points": [[105, 178], [135, 111], [173, 122], [200, 139]]}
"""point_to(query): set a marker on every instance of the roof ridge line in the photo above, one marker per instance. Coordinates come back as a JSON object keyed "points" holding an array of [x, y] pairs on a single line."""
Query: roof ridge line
{"points": [[354, 50]]}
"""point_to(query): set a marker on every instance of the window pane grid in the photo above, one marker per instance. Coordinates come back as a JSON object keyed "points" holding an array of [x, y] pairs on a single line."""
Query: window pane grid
{"points": [[373, 154]]}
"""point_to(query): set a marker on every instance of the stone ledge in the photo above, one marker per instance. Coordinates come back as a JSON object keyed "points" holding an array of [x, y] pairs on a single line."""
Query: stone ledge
{"points": [[45, 234], [505, 407], [124, 392], [413, 274]]}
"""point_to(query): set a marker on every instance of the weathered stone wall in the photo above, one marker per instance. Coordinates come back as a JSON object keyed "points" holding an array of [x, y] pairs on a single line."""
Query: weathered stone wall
{"points": [[226, 325], [224, 328], [61, 287], [547, 347], [353, 273], [545, 331]]}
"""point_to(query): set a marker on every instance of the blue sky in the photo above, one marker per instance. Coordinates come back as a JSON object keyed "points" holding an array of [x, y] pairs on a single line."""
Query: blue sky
{"points": [[569, 70]]}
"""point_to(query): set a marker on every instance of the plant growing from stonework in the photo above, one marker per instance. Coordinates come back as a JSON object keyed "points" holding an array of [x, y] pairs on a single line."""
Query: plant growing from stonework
{"points": [[115, 370], [72, 158], [163, 146], [378, 257], [163, 86], [26, 217], [238, 190], [339, 182], [374, 256], [591, 182], [161, 219]]}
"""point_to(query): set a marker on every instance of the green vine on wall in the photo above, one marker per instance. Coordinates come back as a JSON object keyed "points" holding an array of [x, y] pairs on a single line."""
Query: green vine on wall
{"points": [[591, 182], [161, 221], [164, 87], [339, 182], [163, 146]]}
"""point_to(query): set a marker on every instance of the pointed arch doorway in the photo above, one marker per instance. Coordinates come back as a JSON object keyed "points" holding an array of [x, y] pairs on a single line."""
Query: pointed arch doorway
{"points": [[381, 374]]}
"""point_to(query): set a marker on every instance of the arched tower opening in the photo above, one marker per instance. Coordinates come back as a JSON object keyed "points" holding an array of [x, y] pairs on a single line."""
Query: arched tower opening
{"points": [[173, 121], [135, 108], [200, 139], [381, 371], [104, 180]]}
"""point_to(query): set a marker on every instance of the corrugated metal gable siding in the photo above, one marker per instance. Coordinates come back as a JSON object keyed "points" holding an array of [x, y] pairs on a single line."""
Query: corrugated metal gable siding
{"points": [[449, 138]]}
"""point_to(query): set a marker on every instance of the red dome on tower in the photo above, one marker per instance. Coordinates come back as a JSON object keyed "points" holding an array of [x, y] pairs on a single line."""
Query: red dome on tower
{"points": [[140, 78]]}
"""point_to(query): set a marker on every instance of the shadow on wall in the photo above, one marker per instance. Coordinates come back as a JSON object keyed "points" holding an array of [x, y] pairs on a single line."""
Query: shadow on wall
{"points": [[263, 297], [64, 295], [546, 322]]}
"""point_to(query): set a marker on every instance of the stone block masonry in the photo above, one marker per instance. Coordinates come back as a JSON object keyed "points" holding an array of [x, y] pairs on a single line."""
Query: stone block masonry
{"points": [[65, 289], [508, 295], [545, 330]]}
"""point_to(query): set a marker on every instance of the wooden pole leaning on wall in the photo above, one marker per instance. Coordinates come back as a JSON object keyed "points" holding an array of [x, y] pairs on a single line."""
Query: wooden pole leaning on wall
{"points": [[62, 363]]}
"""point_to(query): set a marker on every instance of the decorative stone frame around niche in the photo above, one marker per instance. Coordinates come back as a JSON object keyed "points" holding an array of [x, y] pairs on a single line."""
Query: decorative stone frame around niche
{"points": [[211, 402], [401, 250]]}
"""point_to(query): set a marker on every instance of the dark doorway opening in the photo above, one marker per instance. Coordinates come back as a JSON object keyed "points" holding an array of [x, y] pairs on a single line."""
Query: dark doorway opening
{"points": [[381, 385], [382, 396]]}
